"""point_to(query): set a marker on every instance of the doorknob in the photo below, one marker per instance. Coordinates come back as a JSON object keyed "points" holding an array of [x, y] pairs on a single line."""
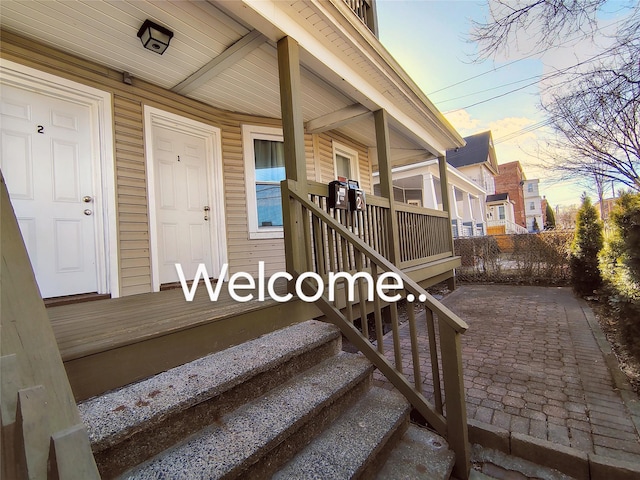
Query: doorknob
{"points": [[87, 199], [88, 212], [206, 212]]}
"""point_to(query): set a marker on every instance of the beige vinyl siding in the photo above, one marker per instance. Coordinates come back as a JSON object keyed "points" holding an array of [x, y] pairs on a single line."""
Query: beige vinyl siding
{"points": [[326, 163], [131, 197], [130, 167]]}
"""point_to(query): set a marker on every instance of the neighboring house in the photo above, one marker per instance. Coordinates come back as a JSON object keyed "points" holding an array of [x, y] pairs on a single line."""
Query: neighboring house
{"points": [[533, 206], [605, 208], [477, 160], [500, 215], [121, 162], [511, 179], [419, 185]]}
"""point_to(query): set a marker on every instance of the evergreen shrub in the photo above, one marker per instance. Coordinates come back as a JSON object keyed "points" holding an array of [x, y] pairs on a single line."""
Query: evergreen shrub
{"points": [[587, 243]]}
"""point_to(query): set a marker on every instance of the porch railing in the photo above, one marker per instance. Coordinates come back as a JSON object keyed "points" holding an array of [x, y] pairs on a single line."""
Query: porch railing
{"points": [[424, 235], [509, 226], [364, 10], [322, 240]]}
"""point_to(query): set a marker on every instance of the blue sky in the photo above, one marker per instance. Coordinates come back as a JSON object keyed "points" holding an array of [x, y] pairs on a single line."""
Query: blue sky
{"points": [[430, 40]]}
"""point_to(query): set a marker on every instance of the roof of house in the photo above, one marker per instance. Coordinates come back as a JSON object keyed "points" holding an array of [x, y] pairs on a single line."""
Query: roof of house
{"points": [[497, 197], [475, 151]]}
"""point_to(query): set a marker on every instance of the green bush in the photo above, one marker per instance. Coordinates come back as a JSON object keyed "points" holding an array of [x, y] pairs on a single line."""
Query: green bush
{"points": [[587, 243], [620, 266]]}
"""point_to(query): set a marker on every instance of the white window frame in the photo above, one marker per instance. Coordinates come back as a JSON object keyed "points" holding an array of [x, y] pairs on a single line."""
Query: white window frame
{"points": [[352, 155], [249, 134]]}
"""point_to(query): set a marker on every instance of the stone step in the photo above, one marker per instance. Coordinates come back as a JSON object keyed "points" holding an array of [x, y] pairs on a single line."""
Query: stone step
{"points": [[131, 424], [420, 454], [257, 438], [355, 444]]}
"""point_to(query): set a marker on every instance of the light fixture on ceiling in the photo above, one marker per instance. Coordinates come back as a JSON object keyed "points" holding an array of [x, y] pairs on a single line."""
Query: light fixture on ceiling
{"points": [[154, 37]]}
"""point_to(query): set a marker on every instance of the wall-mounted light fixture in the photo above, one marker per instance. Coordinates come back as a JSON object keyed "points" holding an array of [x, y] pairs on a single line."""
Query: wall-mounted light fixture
{"points": [[154, 37]]}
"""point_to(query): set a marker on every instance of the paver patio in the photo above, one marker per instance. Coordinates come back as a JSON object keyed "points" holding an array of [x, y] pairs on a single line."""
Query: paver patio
{"points": [[533, 365]]}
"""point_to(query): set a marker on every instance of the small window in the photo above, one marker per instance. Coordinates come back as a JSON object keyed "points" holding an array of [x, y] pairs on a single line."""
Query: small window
{"points": [[532, 206], [345, 161], [269, 163], [530, 188], [263, 149], [501, 214]]}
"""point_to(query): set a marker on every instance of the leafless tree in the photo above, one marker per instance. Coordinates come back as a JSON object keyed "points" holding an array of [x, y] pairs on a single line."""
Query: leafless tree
{"points": [[594, 110], [546, 22]]}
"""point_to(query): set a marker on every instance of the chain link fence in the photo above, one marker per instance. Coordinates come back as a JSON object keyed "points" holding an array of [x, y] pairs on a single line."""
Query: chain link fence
{"points": [[532, 259]]}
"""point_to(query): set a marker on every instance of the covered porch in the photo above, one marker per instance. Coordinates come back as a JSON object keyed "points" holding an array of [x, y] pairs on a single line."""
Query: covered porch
{"points": [[328, 81]]}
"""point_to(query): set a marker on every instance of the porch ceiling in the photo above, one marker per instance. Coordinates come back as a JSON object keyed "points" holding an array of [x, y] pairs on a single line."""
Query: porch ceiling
{"points": [[105, 32]]}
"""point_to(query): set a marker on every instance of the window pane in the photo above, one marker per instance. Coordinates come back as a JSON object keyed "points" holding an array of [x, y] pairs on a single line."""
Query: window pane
{"points": [[269, 157], [343, 166], [269, 205], [501, 212]]}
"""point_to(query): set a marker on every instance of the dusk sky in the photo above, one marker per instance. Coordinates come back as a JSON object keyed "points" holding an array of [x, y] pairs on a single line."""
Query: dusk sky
{"points": [[430, 40]]}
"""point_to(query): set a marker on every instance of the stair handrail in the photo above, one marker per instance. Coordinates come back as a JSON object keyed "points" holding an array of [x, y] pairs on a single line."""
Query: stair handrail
{"points": [[454, 426]]}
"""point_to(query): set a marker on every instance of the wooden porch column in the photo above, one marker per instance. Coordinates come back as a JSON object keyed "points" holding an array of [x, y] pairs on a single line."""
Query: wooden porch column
{"points": [[294, 155], [291, 106], [386, 182], [446, 206]]}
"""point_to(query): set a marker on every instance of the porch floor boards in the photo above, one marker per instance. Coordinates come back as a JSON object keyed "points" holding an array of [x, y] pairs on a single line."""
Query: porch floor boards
{"points": [[86, 328]]}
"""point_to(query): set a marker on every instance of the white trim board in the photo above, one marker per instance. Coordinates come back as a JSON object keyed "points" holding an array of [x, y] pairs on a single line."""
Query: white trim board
{"points": [[213, 141], [99, 104]]}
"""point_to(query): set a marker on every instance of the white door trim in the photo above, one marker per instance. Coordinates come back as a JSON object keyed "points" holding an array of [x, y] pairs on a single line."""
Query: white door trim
{"points": [[99, 104], [213, 143]]}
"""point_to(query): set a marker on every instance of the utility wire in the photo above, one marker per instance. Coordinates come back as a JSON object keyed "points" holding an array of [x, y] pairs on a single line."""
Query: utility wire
{"points": [[522, 131], [569, 40], [544, 77], [489, 89]]}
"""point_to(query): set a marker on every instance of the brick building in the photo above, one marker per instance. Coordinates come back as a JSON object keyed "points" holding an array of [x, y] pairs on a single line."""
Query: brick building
{"points": [[511, 179]]}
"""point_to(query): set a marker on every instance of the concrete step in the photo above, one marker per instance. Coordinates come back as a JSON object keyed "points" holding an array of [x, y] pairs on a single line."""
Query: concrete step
{"points": [[420, 454], [131, 424], [356, 443], [257, 438]]}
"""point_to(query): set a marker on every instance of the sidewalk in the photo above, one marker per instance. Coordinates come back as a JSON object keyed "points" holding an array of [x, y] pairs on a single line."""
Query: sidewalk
{"points": [[534, 364]]}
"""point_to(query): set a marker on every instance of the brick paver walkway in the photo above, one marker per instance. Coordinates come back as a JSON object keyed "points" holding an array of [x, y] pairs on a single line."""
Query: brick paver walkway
{"points": [[533, 365]]}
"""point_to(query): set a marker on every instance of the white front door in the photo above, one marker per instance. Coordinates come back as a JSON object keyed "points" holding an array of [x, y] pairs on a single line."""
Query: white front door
{"points": [[182, 201], [47, 164]]}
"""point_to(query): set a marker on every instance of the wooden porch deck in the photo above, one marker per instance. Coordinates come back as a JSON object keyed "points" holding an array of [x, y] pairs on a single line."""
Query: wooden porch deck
{"points": [[107, 343]]}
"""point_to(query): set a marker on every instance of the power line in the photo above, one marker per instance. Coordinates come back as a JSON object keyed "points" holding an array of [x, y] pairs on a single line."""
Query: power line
{"points": [[488, 89], [544, 77], [522, 131], [569, 40]]}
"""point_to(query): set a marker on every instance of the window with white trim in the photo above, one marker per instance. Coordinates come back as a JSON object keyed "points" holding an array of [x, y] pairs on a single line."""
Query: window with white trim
{"points": [[345, 161], [263, 149], [501, 212], [532, 206]]}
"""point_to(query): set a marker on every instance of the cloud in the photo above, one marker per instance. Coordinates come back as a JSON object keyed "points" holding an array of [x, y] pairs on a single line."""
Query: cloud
{"points": [[511, 125], [463, 122]]}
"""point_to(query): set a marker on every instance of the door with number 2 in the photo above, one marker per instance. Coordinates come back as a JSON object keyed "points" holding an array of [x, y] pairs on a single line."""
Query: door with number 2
{"points": [[46, 160]]}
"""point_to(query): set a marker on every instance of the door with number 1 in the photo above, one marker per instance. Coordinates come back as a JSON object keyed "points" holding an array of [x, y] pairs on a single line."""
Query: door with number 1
{"points": [[183, 209]]}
